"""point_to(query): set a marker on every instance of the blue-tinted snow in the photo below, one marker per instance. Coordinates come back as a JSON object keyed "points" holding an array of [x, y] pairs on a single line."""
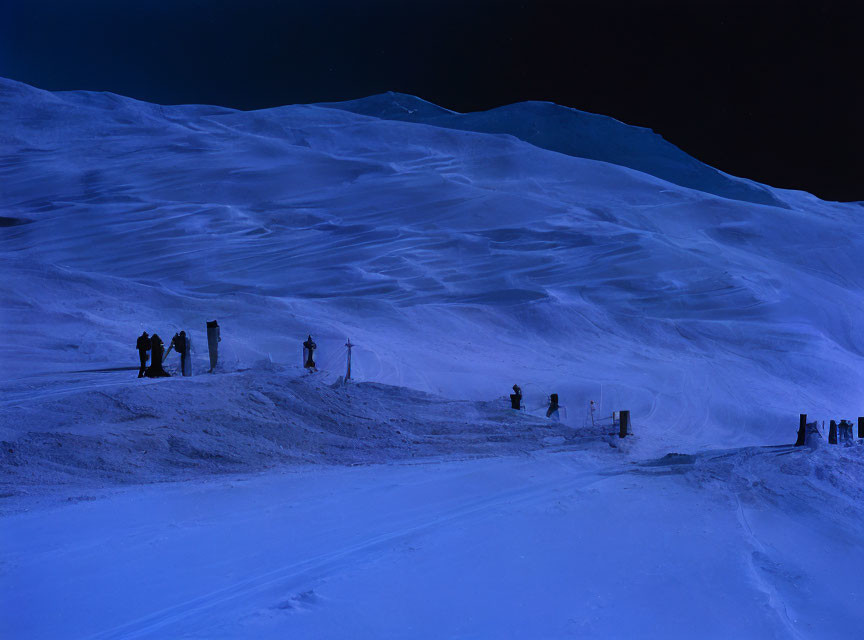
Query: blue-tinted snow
{"points": [[576, 255], [459, 262], [574, 133]]}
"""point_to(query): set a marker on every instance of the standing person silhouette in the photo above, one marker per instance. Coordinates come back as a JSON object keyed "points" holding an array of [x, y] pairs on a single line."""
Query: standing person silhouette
{"points": [[157, 354], [516, 398], [310, 347], [181, 346], [143, 346], [552, 411]]}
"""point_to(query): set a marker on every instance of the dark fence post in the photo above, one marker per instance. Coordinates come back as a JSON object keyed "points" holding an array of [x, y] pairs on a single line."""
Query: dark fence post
{"points": [[832, 434], [860, 427], [623, 423], [802, 429], [213, 340]]}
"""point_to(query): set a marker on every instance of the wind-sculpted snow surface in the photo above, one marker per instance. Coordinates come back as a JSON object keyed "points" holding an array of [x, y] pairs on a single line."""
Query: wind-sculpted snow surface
{"points": [[574, 133], [458, 261]]}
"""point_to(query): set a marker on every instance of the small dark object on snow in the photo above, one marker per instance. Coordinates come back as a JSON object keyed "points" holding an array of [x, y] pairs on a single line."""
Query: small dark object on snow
{"points": [[553, 406], [157, 353], [624, 424], [861, 427], [516, 398], [309, 349], [349, 346], [802, 430], [143, 346], [213, 340], [832, 434]]}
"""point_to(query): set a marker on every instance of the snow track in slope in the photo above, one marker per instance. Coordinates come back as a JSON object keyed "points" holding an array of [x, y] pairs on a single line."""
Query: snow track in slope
{"points": [[294, 576]]}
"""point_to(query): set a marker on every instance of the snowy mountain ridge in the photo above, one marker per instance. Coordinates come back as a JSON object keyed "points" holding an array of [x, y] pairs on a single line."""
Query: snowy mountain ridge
{"points": [[459, 262], [574, 133]]}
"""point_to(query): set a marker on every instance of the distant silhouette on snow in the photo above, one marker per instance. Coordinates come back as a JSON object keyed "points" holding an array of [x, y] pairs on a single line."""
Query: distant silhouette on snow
{"points": [[309, 349], [143, 346], [157, 353]]}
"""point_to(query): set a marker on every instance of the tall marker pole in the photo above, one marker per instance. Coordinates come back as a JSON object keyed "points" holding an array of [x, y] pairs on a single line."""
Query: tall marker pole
{"points": [[349, 345], [802, 430]]}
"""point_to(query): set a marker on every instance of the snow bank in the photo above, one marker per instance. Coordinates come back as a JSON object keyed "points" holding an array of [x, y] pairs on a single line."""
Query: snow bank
{"points": [[179, 428]]}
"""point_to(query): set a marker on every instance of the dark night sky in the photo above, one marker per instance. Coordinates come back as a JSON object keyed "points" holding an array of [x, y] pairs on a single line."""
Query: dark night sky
{"points": [[769, 90]]}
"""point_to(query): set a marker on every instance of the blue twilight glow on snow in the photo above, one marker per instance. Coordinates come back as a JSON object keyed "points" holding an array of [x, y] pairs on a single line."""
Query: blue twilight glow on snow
{"points": [[531, 244], [459, 262]]}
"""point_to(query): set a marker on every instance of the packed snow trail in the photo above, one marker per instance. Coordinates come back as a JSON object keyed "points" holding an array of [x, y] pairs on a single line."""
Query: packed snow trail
{"points": [[551, 545]]}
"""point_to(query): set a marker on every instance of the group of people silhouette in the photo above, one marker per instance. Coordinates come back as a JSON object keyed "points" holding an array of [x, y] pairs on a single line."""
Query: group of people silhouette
{"points": [[180, 343], [154, 346]]}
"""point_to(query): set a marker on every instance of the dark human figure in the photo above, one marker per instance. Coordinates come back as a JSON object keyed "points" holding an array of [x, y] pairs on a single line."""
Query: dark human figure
{"points": [[516, 398], [310, 347], [143, 346], [213, 340], [157, 353], [180, 346], [553, 406]]}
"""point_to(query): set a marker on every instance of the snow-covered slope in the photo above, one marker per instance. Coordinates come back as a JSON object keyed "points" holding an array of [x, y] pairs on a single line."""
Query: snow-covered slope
{"points": [[575, 133], [459, 262]]}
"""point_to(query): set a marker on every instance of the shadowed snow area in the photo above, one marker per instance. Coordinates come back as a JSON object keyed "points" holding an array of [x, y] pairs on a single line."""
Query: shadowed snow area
{"points": [[459, 262]]}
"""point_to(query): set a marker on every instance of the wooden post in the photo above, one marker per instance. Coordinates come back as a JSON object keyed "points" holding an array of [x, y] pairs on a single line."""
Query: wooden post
{"points": [[624, 423], [832, 434], [860, 427], [802, 429]]}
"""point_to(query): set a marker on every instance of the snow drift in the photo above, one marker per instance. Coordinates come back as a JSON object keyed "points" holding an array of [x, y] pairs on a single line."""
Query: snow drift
{"points": [[249, 421]]}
